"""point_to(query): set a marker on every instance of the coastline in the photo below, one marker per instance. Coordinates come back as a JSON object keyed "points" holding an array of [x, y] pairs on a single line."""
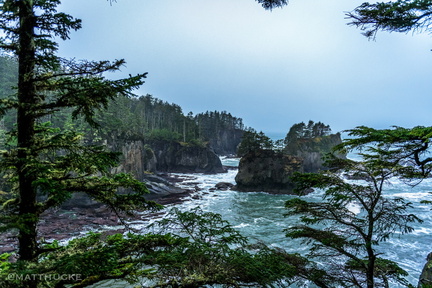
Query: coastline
{"points": [[64, 223]]}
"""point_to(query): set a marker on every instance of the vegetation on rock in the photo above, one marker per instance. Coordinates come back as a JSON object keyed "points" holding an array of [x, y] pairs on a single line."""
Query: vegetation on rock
{"points": [[46, 158], [252, 141], [268, 165], [333, 228]]}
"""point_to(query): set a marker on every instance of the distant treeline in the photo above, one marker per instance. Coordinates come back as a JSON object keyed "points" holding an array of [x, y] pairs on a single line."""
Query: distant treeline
{"points": [[143, 117]]}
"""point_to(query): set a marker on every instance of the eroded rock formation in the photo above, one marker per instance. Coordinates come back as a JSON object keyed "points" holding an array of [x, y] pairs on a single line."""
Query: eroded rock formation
{"points": [[267, 170]]}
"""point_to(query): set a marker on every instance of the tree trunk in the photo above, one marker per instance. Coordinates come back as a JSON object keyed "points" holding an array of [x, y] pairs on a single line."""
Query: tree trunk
{"points": [[26, 132], [370, 280]]}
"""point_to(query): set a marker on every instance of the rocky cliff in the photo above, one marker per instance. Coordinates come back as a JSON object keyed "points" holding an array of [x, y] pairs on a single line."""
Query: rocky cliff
{"points": [[137, 158], [426, 275], [140, 157], [226, 142], [270, 171], [185, 158], [267, 170], [312, 150], [145, 161]]}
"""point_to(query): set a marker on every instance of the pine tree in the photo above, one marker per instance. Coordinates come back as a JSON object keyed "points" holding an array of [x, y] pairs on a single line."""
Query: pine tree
{"points": [[334, 229], [46, 161], [393, 16]]}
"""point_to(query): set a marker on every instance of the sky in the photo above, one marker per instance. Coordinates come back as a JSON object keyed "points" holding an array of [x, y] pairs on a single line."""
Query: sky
{"points": [[271, 68]]}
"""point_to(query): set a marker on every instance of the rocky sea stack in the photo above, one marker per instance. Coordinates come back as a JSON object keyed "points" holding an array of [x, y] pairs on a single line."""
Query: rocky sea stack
{"points": [[264, 168], [267, 170]]}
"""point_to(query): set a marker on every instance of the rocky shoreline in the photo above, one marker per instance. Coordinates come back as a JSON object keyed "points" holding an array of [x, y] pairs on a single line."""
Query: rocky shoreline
{"points": [[82, 215], [67, 222]]}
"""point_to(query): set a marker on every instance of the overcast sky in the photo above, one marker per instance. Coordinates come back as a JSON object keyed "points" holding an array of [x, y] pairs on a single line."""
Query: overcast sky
{"points": [[271, 68]]}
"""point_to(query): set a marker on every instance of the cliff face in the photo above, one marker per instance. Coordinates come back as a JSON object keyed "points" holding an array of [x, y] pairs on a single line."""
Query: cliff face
{"points": [[270, 171], [226, 141], [267, 170], [426, 275], [311, 150], [137, 158], [175, 157]]}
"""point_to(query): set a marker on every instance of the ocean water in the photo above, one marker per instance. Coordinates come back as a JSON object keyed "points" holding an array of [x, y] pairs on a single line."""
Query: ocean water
{"points": [[260, 216]]}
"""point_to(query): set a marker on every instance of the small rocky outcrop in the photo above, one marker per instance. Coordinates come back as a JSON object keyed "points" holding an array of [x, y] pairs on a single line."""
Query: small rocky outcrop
{"points": [[162, 190], [267, 170], [224, 186], [184, 158], [312, 150], [426, 275]]}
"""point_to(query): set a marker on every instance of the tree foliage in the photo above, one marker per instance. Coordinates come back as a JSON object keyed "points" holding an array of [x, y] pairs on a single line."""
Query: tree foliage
{"points": [[253, 140], [405, 150], [187, 249], [213, 123], [271, 4], [334, 229], [46, 165], [393, 16], [313, 137], [303, 131]]}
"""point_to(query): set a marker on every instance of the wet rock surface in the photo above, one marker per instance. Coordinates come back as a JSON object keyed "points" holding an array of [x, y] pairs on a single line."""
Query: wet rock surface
{"points": [[81, 214], [267, 170], [224, 186]]}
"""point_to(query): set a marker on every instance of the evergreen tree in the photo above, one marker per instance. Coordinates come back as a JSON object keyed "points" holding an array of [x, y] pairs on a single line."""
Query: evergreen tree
{"points": [[334, 229], [46, 165], [270, 4], [393, 16], [252, 140], [43, 160]]}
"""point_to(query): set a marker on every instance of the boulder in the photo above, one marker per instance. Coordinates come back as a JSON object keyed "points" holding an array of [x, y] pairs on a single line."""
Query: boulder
{"points": [[224, 186], [161, 188], [268, 171], [426, 275]]}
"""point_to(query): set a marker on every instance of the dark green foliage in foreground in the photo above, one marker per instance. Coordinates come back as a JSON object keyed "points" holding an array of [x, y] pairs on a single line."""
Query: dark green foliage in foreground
{"points": [[190, 249], [405, 150], [333, 229], [43, 165], [395, 16], [270, 4], [215, 253]]}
